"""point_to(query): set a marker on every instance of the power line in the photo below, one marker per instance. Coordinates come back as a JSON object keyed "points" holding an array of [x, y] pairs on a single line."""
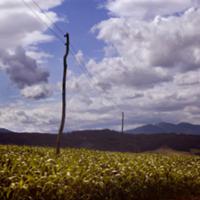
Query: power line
{"points": [[40, 20], [81, 65], [55, 25]]}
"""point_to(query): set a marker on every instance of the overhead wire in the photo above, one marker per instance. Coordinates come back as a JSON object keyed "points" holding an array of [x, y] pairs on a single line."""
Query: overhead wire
{"points": [[41, 21], [90, 76], [72, 51], [80, 63], [49, 18], [38, 18]]}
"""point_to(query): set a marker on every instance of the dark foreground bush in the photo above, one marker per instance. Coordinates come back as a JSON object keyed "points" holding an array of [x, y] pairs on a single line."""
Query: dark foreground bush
{"points": [[36, 174]]}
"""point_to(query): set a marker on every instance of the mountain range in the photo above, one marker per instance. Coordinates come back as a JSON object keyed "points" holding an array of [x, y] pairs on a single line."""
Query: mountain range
{"points": [[3, 130], [164, 127]]}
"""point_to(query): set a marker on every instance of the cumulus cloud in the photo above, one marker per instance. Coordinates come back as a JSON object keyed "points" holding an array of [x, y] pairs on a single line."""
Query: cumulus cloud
{"points": [[26, 30], [188, 79], [7, 4], [19, 54], [79, 56], [38, 91], [22, 69], [104, 110], [171, 42], [156, 52], [145, 9], [116, 71], [152, 75], [41, 117], [25, 73], [150, 71]]}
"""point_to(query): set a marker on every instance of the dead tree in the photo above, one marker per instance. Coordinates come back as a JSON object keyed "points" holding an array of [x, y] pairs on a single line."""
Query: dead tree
{"points": [[62, 123], [122, 122]]}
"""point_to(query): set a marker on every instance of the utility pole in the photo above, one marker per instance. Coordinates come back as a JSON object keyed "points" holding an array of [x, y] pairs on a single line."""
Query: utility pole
{"points": [[62, 123], [122, 122]]}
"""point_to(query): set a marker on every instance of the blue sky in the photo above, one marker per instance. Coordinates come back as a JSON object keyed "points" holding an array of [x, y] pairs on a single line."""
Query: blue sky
{"points": [[80, 17], [143, 59]]}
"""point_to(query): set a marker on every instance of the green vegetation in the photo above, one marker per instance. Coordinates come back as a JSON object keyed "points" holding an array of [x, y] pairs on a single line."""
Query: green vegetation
{"points": [[35, 173]]}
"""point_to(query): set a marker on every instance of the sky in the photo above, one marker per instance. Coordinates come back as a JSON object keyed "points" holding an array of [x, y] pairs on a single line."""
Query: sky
{"points": [[140, 57]]}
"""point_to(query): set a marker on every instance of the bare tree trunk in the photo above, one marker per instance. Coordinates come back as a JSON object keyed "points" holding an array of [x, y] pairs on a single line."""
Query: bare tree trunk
{"points": [[62, 123], [122, 122]]}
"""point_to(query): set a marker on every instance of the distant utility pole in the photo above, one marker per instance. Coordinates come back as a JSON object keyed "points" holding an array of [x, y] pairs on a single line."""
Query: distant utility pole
{"points": [[62, 123], [122, 122]]}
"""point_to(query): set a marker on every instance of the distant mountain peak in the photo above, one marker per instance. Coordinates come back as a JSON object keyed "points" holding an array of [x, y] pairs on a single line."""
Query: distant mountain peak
{"points": [[186, 123], [166, 127], [164, 123], [3, 130]]}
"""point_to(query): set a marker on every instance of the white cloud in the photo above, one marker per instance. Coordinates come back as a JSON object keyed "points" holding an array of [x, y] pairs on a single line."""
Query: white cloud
{"points": [[88, 106], [28, 28], [150, 71], [23, 26], [152, 76], [116, 71], [155, 55], [145, 9], [38, 55], [20, 116], [171, 42], [7, 4], [79, 57], [37, 91], [188, 79], [23, 70]]}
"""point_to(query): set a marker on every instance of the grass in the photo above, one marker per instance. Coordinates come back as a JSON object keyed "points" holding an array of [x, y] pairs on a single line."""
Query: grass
{"points": [[79, 174]]}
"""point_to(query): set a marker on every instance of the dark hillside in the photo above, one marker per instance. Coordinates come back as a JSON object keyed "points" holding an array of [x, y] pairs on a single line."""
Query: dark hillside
{"points": [[106, 140]]}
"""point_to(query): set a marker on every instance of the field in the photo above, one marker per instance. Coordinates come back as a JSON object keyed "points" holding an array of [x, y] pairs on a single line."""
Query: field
{"points": [[77, 174]]}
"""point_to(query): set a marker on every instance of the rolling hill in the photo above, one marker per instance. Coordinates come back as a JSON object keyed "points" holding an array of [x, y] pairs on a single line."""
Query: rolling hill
{"points": [[106, 140]]}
